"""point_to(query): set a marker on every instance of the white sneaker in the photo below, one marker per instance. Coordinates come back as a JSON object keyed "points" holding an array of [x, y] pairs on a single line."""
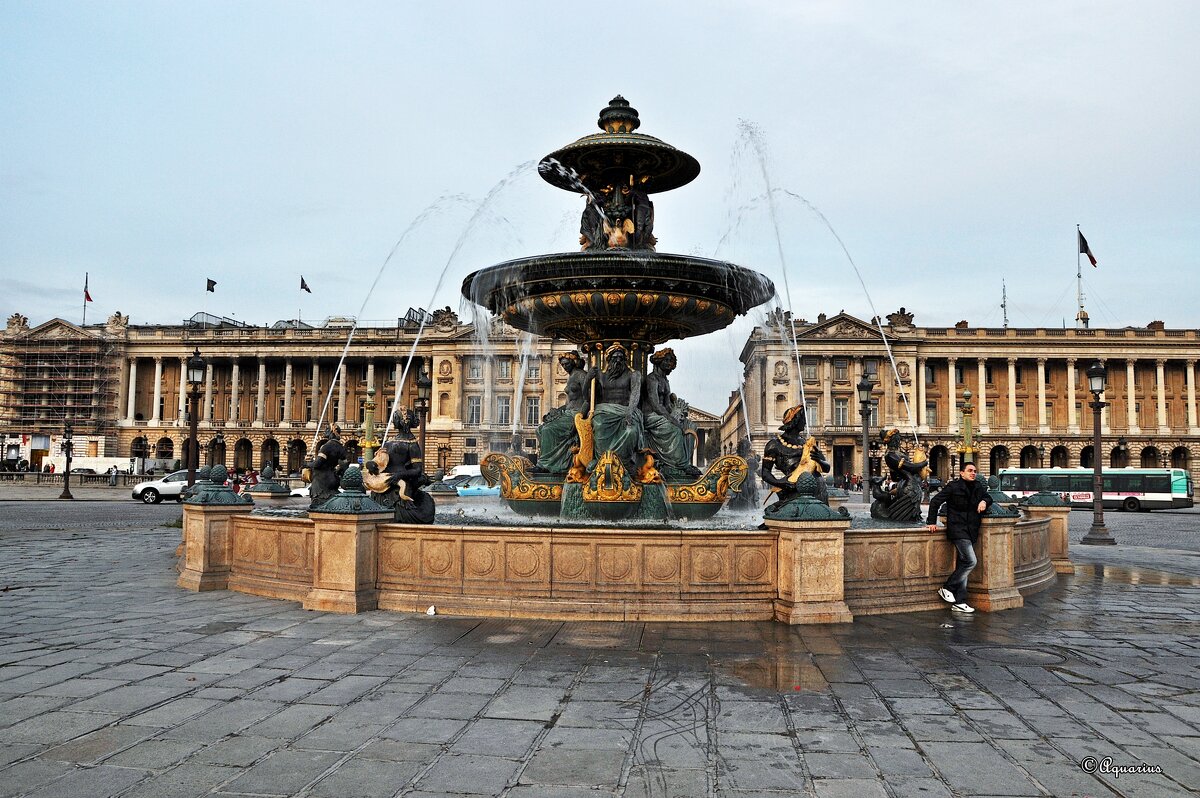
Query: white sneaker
{"points": [[962, 607], [946, 595]]}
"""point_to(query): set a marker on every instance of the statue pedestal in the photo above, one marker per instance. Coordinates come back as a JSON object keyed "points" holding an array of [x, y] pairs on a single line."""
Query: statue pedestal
{"points": [[344, 551], [208, 545], [992, 585], [811, 571], [1060, 553]]}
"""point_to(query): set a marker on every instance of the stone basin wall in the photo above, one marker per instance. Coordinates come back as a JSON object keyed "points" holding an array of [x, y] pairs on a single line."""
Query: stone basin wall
{"points": [[794, 572]]}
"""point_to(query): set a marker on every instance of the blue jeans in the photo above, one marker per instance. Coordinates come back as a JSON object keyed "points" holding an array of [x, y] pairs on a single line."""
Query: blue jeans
{"points": [[964, 563]]}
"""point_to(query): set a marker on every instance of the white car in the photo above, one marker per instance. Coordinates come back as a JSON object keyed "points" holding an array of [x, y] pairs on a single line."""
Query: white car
{"points": [[169, 487]]}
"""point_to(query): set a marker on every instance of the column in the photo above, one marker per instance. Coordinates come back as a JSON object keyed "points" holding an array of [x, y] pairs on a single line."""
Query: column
{"points": [[1131, 419], [314, 394], [206, 412], [1193, 427], [1163, 427], [371, 376], [260, 401], [233, 395], [342, 374], [489, 394], [1043, 425], [827, 391], [1072, 416], [762, 381], [1014, 425], [981, 419], [922, 421], [182, 409], [287, 393], [1104, 427], [130, 410], [951, 395], [154, 415]]}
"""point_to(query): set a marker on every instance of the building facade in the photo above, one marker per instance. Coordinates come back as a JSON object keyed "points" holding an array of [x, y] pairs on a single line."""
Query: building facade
{"points": [[265, 389], [1028, 391]]}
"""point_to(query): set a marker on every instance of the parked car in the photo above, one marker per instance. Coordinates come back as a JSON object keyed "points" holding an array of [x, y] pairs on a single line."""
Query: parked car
{"points": [[83, 471], [169, 487], [301, 491], [477, 486], [449, 484]]}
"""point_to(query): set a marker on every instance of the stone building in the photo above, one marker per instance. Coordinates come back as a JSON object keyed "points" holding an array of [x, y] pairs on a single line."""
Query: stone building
{"points": [[124, 387], [1028, 390]]}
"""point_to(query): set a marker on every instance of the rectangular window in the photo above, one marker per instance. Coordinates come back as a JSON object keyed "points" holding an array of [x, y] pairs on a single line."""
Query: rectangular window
{"points": [[474, 369], [1050, 413], [958, 374], [811, 408], [874, 422], [1020, 419], [504, 369], [308, 416], [362, 411], [987, 375], [531, 444], [840, 370], [533, 371], [991, 414], [810, 369], [871, 367], [474, 410], [470, 458], [1017, 376], [931, 414], [280, 416], [470, 443], [841, 412], [503, 410], [533, 411], [333, 410], [930, 376]]}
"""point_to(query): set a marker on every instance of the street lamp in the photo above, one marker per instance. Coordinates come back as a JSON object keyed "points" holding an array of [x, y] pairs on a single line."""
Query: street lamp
{"points": [[195, 376], [1041, 450], [968, 410], [68, 446], [864, 404], [424, 389], [1122, 453], [1098, 534]]}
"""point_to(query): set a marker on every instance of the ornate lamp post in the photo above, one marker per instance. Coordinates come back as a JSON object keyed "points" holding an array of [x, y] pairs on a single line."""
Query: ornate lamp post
{"points": [[195, 375], [68, 446], [1122, 453], [1098, 534], [424, 389], [368, 442], [968, 447], [864, 405], [1041, 455]]}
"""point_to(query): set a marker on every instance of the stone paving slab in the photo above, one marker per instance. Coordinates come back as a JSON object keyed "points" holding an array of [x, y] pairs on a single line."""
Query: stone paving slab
{"points": [[131, 687]]}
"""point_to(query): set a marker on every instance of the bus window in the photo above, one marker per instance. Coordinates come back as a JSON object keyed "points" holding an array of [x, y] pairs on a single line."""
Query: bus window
{"points": [[1081, 483], [1060, 483], [1155, 483], [1008, 482]]}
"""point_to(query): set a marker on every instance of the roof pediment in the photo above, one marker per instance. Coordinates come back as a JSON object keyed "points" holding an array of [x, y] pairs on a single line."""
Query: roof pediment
{"points": [[57, 328], [843, 326]]}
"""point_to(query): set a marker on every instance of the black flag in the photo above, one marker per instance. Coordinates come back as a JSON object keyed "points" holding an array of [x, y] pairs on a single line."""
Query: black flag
{"points": [[212, 286], [304, 285]]}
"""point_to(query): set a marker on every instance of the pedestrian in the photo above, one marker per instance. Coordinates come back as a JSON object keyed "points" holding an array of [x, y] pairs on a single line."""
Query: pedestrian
{"points": [[112, 476], [966, 499]]}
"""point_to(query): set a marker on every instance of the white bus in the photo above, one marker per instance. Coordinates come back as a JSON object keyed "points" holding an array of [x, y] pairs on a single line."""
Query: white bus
{"points": [[1125, 488]]}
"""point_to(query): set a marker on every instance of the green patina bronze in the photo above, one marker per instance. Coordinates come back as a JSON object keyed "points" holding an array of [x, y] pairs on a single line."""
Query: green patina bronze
{"points": [[353, 500], [805, 506], [216, 492]]}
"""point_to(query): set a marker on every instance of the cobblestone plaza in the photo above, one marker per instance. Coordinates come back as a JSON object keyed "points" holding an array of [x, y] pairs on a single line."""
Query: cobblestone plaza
{"points": [[134, 687]]}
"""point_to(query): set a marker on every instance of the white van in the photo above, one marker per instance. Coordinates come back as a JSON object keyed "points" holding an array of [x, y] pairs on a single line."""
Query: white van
{"points": [[464, 471]]}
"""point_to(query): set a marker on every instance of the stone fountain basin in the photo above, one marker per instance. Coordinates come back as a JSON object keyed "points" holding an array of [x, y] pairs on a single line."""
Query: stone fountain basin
{"points": [[618, 294]]}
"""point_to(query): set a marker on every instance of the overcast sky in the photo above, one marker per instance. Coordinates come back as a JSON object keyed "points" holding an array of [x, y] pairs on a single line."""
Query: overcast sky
{"points": [[950, 145]]}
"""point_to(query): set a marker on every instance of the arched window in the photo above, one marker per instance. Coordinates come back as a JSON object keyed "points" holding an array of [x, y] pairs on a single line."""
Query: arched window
{"points": [[139, 447], [242, 453], [270, 454], [1181, 457], [443, 404], [297, 449], [1059, 457], [1151, 457], [1086, 457], [999, 458], [165, 449], [216, 451]]}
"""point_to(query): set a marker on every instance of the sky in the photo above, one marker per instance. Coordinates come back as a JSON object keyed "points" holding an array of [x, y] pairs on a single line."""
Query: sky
{"points": [[386, 150]]}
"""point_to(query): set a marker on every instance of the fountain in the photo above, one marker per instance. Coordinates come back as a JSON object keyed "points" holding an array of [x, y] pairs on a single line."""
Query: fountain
{"points": [[617, 451], [618, 299]]}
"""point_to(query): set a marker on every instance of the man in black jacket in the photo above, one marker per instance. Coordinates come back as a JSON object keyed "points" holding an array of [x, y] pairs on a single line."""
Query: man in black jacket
{"points": [[966, 499]]}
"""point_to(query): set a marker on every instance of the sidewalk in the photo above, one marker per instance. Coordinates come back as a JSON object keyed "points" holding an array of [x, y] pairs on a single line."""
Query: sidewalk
{"points": [[115, 682], [28, 491]]}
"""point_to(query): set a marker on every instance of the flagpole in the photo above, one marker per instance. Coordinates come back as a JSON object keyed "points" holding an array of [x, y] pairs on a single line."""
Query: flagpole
{"points": [[1078, 277], [85, 294]]}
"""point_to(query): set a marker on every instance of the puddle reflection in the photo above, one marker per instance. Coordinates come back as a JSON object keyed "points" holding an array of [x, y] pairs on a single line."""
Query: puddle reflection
{"points": [[785, 675], [1127, 575]]}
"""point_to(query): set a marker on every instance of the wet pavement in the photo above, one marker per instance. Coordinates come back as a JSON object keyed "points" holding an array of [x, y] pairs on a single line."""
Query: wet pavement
{"points": [[115, 682]]}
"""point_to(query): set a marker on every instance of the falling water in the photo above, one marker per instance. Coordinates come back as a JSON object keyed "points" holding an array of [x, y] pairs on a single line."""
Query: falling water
{"points": [[436, 207], [484, 207]]}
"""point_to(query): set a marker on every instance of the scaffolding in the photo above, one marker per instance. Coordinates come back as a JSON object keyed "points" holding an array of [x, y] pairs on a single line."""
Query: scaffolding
{"points": [[48, 381]]}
